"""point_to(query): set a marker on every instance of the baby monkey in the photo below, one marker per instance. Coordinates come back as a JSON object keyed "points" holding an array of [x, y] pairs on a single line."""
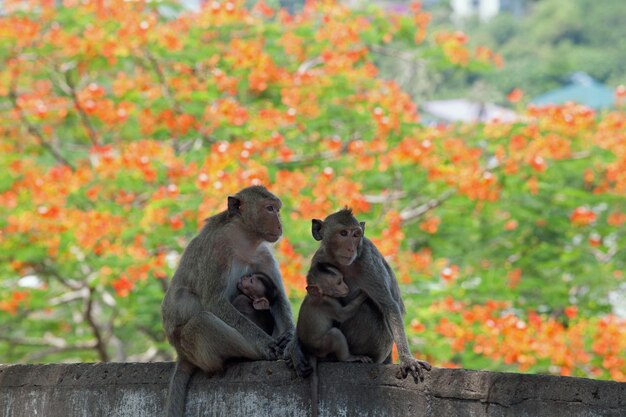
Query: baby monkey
{"points": [[254, 299], [321, 311]]}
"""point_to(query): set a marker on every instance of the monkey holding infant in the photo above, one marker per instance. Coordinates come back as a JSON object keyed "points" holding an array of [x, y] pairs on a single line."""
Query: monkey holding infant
{"points": [[377, 321], [199, 320]]}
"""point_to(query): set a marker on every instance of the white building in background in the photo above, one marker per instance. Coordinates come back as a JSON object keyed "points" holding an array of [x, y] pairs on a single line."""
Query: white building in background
{"points": [[485, 9]]}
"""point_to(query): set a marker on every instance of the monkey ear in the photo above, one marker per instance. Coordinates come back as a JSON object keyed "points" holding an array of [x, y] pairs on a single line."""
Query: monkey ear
{"points": [[261, 304], [316, 229], [362, 227], [314, 290], [234, 204]]}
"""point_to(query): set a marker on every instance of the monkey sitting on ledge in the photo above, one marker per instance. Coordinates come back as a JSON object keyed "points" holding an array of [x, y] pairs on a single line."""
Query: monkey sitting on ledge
{"points": [[199, 319], [379, 321], [321, 311], [255, 297]]}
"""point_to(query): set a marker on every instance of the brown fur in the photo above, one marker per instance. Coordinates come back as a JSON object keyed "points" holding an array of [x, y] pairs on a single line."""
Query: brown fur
{"points": [[199, 320], [378, 322]]}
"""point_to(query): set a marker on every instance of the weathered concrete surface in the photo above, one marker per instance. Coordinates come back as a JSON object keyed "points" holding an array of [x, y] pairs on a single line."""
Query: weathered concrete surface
{"points": [[264, 389]]}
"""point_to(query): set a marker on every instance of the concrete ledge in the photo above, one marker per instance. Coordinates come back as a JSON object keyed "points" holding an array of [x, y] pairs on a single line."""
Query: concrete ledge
{"points": [[270, 389]]}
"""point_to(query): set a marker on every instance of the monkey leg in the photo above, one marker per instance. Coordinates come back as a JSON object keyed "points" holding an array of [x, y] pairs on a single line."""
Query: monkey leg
{"points": [[335, 342], [208, 342], [367, 334]]}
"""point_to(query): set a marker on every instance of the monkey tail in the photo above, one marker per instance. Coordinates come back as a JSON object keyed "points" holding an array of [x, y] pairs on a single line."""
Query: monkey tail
{"points": [[175, 403], [315, 383]]}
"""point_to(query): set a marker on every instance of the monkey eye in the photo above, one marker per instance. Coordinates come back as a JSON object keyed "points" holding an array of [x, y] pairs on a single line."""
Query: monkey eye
{"points": [[344, 233], [270, 208], [357, 233]]}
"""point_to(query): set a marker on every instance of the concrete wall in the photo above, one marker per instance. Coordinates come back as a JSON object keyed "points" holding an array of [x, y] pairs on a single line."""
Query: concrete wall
{"points": [[265, 389]]}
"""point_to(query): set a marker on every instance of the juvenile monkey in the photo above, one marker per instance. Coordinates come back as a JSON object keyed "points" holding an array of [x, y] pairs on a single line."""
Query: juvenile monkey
{"points": [[254, 299], [198, 318], [379, 320], [320, 312]]}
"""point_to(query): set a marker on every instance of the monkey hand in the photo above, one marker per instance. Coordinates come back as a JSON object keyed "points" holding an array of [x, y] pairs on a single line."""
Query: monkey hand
{"points": [[414, 367], [283, 340], [272, 352], [278, 345]]}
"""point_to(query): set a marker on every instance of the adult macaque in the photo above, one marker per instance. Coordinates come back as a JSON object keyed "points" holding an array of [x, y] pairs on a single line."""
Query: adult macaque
{"points": [[319, 313], [199, 320], [378, 322], [254, 299]]}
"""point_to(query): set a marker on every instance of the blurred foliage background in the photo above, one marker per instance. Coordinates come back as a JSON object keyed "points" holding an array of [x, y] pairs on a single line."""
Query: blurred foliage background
{"points": [[543, 42], [125, 124]]}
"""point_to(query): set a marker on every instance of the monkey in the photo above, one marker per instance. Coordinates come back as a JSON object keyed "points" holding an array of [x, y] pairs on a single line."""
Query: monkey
{"points": [[254, 298], [378, 322], [320, 311], [200, 322]]}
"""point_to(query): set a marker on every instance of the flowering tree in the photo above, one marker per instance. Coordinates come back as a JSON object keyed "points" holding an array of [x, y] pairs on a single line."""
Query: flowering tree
{"points": [[125, 124]]}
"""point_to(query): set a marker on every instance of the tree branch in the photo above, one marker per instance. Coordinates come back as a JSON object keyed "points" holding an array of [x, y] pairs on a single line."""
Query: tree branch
{"points": [[384, 198], [412, 213], [69, 283], [91, 131], [32, 129], [88, 315], [166, 90]]}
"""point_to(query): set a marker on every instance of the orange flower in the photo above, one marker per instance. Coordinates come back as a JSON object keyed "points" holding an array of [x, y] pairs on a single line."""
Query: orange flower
{"points": [[571, 312], [616, 219], [533, 185], [431, 224], [510, 225], [449, 273], [515, 95], [122, 286], [12, 304], [514, 277], [582, 216]]}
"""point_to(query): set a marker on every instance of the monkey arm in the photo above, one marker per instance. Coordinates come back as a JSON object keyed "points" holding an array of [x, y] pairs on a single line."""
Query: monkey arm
{"points": [[386, 286], [281, 307], [243, 304], [283, 317], [395, 289], [381, 288], [343, 313], [257, 338], [216, 301]]}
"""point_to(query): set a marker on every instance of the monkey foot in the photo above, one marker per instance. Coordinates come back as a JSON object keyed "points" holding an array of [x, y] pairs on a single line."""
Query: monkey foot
{"points": [[413, 367], [297, 360]]}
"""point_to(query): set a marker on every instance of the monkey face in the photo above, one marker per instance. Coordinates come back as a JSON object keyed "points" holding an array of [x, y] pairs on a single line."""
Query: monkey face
{"points": [[341, 235], [268, 222], [251, 286], [259, 210], [345, 243], [334, 286]]}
